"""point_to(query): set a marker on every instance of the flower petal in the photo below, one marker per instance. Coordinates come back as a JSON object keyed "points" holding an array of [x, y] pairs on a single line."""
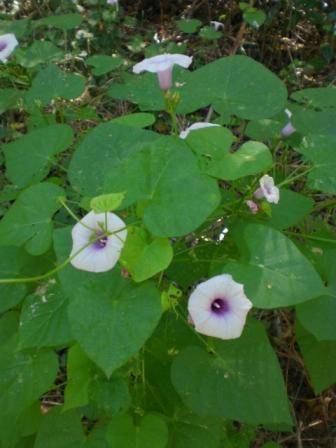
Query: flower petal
{"points": [[8, 42], [227, 324]]}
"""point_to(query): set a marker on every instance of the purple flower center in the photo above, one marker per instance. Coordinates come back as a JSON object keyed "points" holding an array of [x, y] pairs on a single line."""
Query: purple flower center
{"points": [[101, 242], [3, 45], [220, 306]]}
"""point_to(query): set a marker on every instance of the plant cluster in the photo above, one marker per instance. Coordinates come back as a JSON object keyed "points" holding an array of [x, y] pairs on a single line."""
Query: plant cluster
{"points": [[165, 224]]}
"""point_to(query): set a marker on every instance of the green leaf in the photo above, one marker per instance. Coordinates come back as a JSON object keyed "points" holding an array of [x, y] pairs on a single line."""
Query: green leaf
{"points": [[110, 397], [9, 99], [116, 142], [51, 83], [10, 295], [291, 209], [24, 377], [250, 158], [9, 323], [212, 142], [27, 223], [63, 22], [144, 256], [319, 358], [189, 430], [318, 317], [140, 89], [323, 98], [44, 320], [309, 122], [107, 202], [28, 157], [113, 321], [138, 120], [275, 273], [80, 372], [188, 25], [166, 176], [209, 33], [103, 64], [152, 432], [320, 150], [97, 438], [234, 85], [254, 17], [17, 27], [40, 52], [60, 429], [241, 380], [192, 263], [266, 128]]}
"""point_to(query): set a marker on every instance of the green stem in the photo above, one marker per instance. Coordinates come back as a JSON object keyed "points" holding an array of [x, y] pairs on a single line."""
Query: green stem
{"points": [[57, 268], [293, 178]]}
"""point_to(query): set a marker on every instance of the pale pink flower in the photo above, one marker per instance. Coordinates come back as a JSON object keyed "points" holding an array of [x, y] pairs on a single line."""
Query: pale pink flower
{"points": [[252, 206], [289, 129], [163, 65], [101, 237], [267, 190], [218, 307], [8, 43]]}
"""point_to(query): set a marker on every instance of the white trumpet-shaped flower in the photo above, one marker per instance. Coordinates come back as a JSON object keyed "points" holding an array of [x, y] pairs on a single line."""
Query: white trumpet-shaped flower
{"points": [[268, 190], [8, 43], [218, 307], [97, 239], [112, 2], [195, 126], [289, 129], [163, 65]]}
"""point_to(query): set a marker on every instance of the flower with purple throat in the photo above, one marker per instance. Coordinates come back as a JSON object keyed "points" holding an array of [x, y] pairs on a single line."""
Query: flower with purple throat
{"points": [[8, 43], [267, 190], [97, 240], [218, 307], [163, 65], [195, 126], [289, 129]]}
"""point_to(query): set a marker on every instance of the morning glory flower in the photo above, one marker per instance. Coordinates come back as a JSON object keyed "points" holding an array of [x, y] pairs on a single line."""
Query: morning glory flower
{"points": [[163, 65], [217, 25], [195, 126], [102, 236], [112, 2], [218, 307], [268, 190], [8, 43], [289, 129]]}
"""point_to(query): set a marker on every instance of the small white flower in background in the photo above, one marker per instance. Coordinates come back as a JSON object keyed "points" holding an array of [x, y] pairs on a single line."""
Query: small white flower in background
{"points": [[163, 65], [218, 307], [102, 251], [8, 43], [268, 190], [252, 206], [289, 129], [217, 25], [112, 2], [194, 127]]}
